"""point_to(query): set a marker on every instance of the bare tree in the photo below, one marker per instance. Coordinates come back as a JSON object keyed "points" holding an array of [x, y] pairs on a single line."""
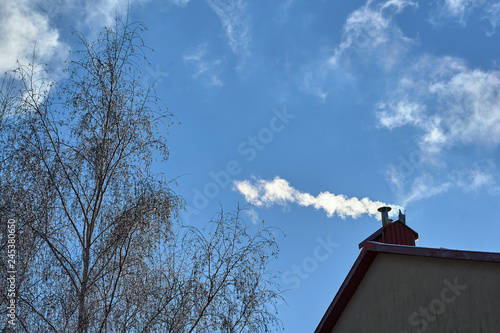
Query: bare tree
{"points": [[98, 250]]}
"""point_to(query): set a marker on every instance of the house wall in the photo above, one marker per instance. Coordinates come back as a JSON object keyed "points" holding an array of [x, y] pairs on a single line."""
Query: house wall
{"points": [[403, 294]]}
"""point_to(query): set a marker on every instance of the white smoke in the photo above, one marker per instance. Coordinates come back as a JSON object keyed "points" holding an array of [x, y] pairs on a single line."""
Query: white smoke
{"points": [[278, 191]]}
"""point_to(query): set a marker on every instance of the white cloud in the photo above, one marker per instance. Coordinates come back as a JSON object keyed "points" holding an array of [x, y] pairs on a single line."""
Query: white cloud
{"points": [[234, 19], [479, 177], [492, 14], [461, 11], [424, 187], [253, 215], [236, 24], [311, 85], [458, 8], [22, 29], [407, 113], [370, 32], [410, 188], [205, 69], [371, 40], [413, 180], [450, 103], [26, 23], [278, 191]]}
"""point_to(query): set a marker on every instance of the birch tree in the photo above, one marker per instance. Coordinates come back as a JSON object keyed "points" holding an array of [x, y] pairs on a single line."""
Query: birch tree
{"points": [[98, 245]]}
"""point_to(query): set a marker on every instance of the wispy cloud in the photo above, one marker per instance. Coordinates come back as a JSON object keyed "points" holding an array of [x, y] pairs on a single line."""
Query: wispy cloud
{"points": [[101, 13], [371, 41], [279, 192], [311, 84], [253, 215], [492, 14], [235, 21], [430, 182], [449, 102], [479, 177], [461, 12], [458, 8], [181, 3], [207, 70], [370, 32], [422, 186]]}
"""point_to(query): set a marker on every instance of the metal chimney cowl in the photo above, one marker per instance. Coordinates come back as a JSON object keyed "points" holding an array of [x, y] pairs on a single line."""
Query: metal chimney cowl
{"points": [[385, 215]]}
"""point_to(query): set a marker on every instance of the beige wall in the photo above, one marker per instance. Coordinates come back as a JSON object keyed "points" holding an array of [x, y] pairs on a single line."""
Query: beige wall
{"points": [[402, 293]]}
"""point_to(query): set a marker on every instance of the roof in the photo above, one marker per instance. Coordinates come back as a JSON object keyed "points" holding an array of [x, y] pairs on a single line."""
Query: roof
{"points": [[401, 237], [365, 259]]}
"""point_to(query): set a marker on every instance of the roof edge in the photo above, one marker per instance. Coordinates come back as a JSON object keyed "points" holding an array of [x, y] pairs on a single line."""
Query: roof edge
{"points": [[346, 290], [432, 252]]}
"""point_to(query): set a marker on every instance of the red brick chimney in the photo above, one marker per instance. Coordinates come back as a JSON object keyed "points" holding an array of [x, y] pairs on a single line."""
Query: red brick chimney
{"points": [[396, 232]]}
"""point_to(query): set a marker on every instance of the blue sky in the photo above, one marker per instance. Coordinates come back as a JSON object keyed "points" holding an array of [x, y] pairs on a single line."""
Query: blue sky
{"points": [[315, 113]]}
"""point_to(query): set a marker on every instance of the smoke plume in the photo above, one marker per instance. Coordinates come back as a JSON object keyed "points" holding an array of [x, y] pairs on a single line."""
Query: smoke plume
{"points": [[278, 191]]}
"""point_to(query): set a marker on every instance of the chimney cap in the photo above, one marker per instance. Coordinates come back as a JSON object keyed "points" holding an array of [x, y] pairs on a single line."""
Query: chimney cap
{"points": [[384, 209]]}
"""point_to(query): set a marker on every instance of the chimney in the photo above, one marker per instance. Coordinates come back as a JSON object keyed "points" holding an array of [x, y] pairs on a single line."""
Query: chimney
{"points": [[396, 232], [402, 217], [385, 215]]}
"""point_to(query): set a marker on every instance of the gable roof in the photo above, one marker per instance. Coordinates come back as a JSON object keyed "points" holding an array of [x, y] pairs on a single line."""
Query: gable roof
{"points": [[366, 258]]}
